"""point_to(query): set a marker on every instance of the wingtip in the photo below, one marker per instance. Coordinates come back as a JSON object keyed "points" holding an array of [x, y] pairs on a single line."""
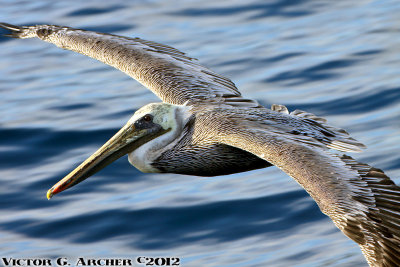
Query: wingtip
{"points": [[9, 26], [15, 31]]}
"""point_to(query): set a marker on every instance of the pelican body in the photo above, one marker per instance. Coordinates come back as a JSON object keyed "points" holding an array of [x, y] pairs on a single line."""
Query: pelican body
{"points": [[205, 127]]}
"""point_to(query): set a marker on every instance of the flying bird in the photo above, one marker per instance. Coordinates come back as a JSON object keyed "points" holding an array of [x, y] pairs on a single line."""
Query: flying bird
{"points": [[205, 127]]}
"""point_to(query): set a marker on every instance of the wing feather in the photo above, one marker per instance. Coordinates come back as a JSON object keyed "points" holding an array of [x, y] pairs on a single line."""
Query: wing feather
{"points": [[172, 75], [361, 200]]}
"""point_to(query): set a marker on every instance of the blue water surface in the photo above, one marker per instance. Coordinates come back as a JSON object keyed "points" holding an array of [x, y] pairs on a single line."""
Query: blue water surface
{"points": [[337, 59]]}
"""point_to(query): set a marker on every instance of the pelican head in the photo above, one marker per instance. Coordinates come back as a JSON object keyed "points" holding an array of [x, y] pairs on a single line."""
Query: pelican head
{"points": [[150, 128]]}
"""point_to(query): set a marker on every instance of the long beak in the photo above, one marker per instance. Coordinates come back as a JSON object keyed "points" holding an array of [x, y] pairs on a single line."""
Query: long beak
{"points": [[124, 141]]}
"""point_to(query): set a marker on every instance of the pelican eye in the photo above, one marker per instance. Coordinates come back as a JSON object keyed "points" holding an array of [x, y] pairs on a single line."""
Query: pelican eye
{"points": [[148, 117], [145, 122]]}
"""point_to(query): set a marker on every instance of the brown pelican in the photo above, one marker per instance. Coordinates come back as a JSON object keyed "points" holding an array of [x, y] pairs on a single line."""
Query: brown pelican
{"points": [[205, 127]]}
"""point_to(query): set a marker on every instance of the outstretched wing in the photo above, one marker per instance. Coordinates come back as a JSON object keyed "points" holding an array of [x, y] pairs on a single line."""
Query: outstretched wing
{"points": [[362, 201], [172, 75]]}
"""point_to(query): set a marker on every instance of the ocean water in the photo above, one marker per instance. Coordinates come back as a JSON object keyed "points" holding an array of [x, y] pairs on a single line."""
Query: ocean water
{"points": [[337, 59]]}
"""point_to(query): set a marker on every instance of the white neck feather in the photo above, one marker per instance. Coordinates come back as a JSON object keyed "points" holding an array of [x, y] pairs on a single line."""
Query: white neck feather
{"points": [[144, 155]]}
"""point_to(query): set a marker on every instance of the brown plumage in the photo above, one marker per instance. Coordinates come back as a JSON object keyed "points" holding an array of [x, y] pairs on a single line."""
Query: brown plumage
{"points": [[205, 127]]}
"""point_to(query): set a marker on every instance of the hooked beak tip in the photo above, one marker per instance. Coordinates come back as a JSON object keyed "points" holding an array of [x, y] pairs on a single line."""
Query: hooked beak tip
{"points": [[49, 193]]}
